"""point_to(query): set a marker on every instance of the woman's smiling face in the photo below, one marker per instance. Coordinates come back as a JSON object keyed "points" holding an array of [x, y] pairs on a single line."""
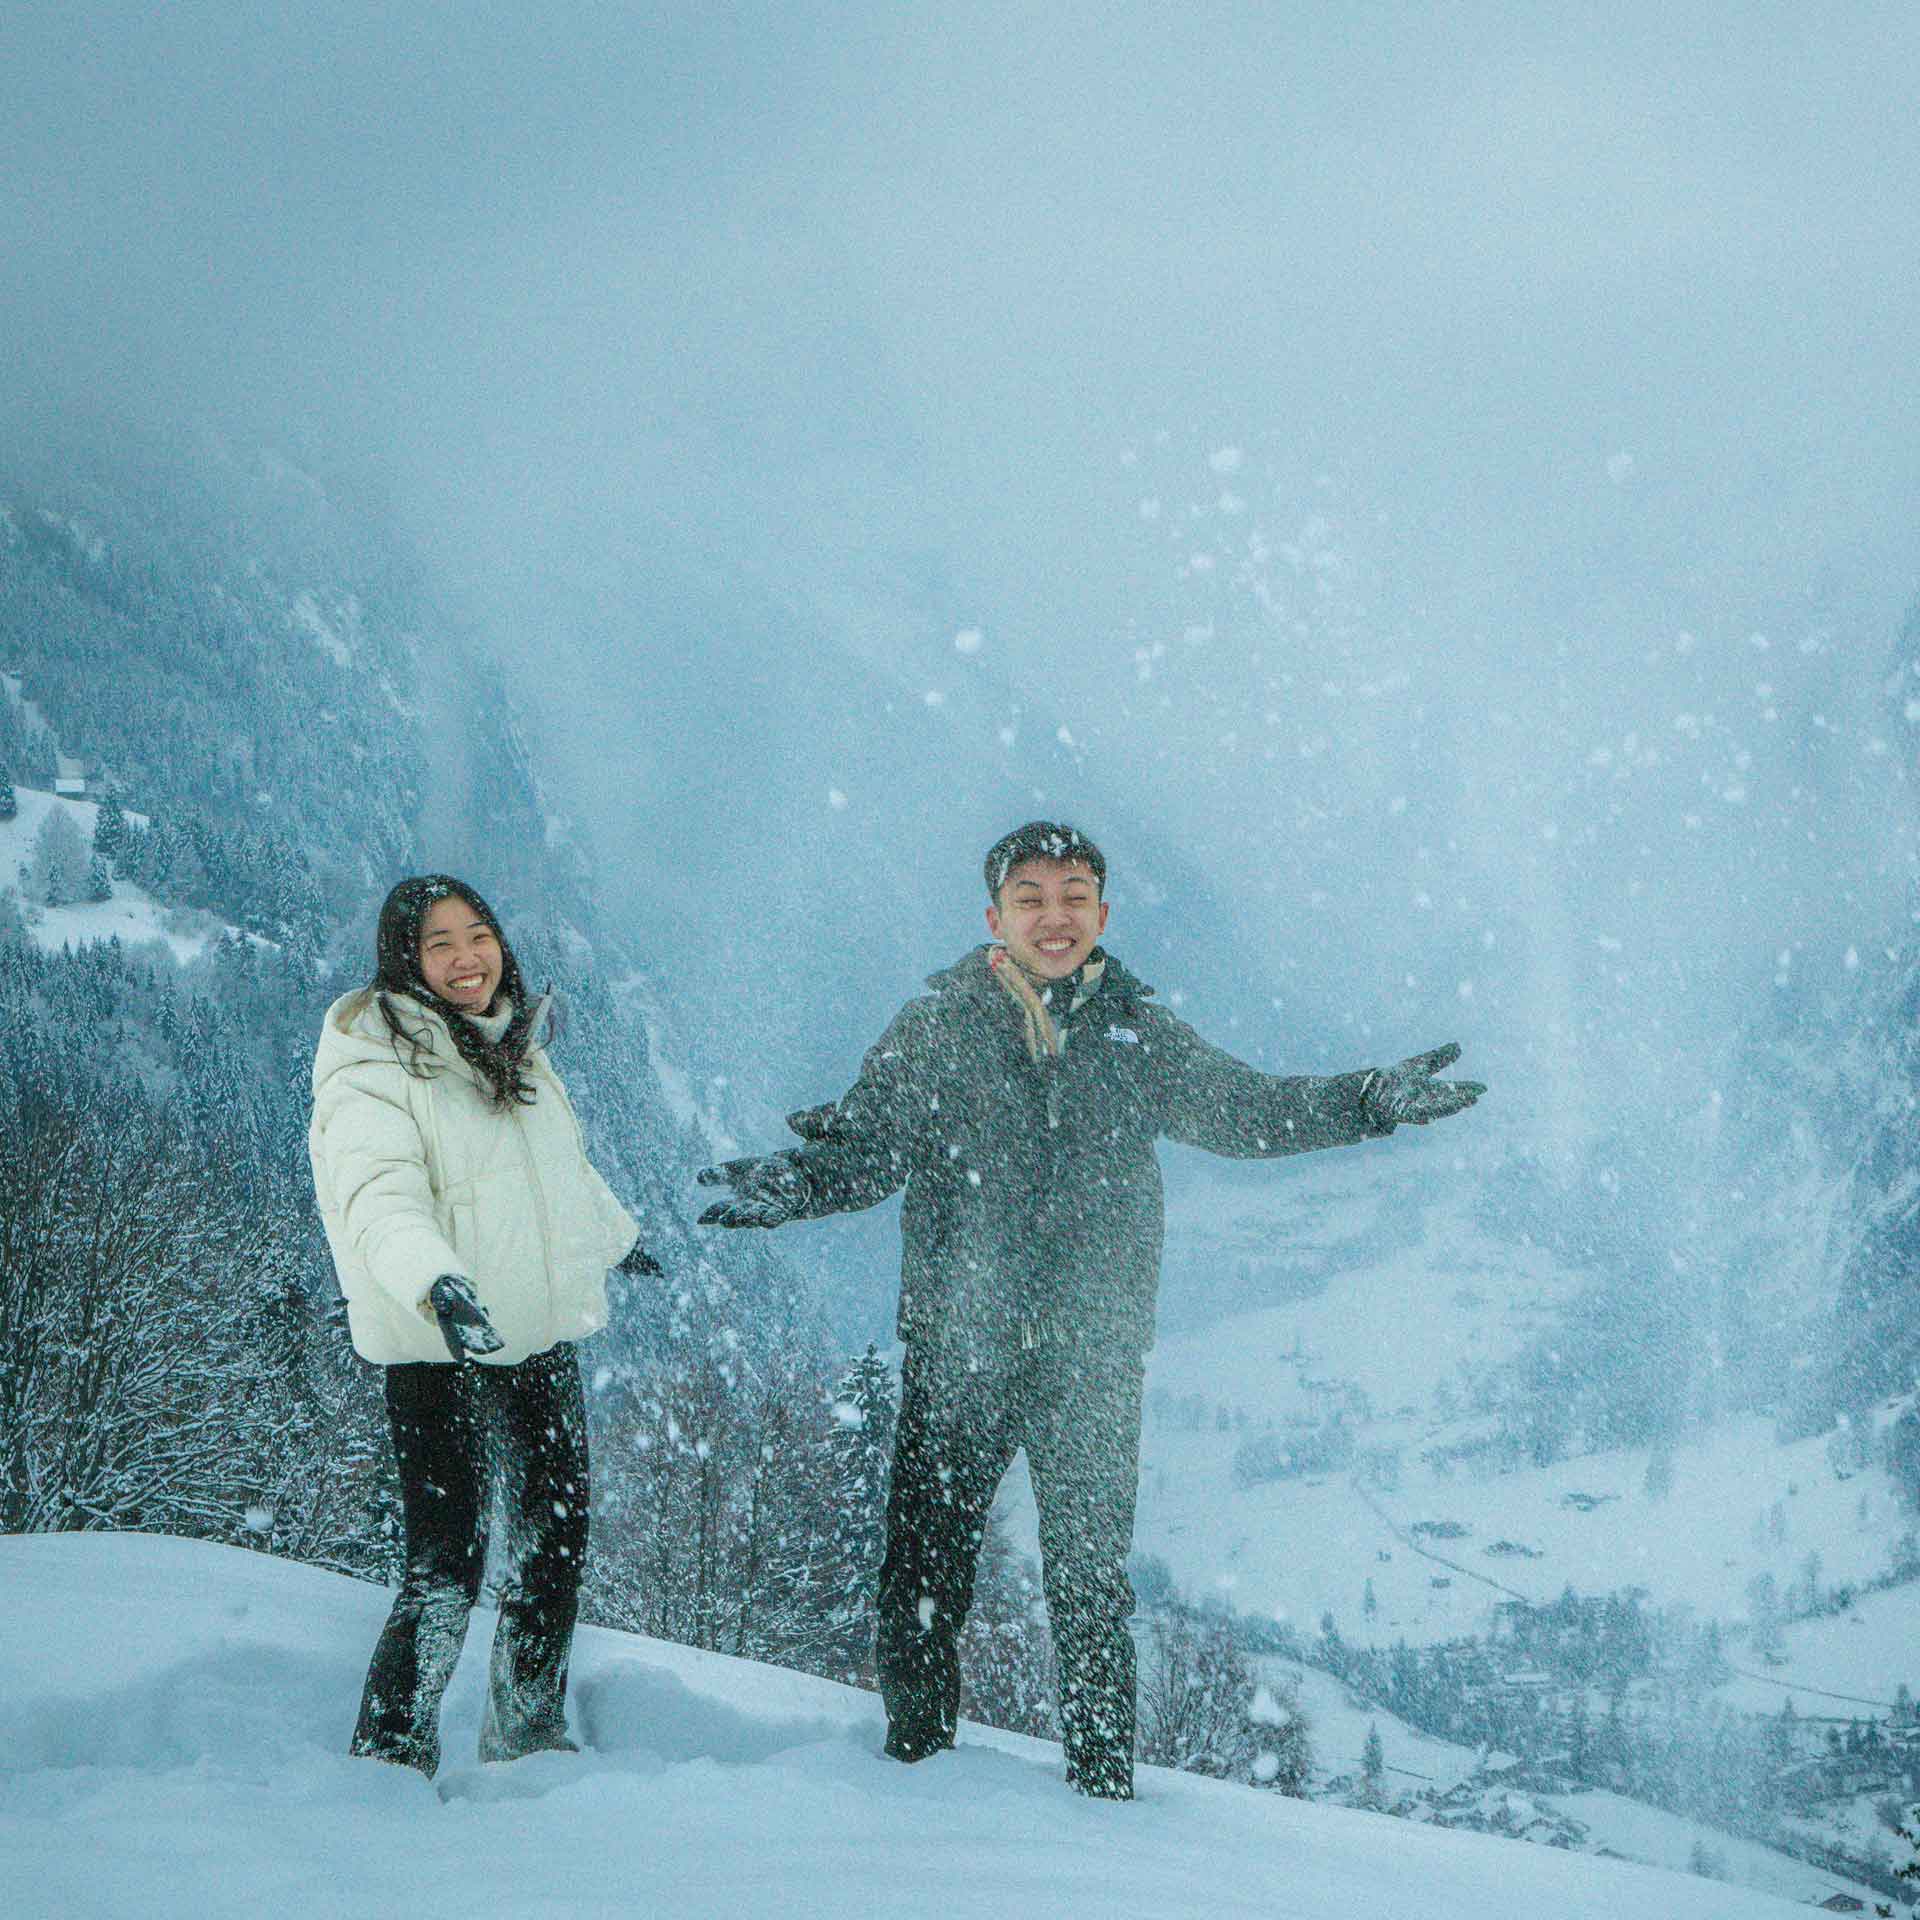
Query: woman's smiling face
{"points": [[459, 955]]}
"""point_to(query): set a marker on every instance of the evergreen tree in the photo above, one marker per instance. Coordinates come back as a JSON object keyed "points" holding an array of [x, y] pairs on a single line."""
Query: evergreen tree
{"points": [[863, 1412], [1280, 1736], [1373, 1768], [9, 805], [1579, 1738], [110, 829]]}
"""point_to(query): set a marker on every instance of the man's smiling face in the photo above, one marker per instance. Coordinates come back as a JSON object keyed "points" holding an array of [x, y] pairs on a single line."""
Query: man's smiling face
{"points": [[1050, 914]]}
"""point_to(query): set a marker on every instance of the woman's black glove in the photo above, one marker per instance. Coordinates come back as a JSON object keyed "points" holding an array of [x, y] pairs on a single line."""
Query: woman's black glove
{"points": [[767, 1192], [637, 1261], [464, 1325], [1410, 1095]]}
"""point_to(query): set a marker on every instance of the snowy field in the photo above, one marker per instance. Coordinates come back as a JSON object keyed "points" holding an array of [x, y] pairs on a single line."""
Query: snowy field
{"points": [[1740, 1506], [1842, 1665], [173, 1715]]}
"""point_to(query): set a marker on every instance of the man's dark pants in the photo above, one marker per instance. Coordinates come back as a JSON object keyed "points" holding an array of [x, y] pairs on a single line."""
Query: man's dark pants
{"points": [[455, 1428], [961, 1423]]}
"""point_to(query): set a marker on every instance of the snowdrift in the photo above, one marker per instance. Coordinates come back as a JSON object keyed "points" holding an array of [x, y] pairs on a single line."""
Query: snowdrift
{"points": [[173, 1718]]}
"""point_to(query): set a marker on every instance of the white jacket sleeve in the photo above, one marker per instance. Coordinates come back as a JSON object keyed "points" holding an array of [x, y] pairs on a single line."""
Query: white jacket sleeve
{"points": [[371, 1165]]}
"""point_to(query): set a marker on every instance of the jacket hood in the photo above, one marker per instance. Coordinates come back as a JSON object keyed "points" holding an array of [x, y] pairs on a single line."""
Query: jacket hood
{"points": [[971, 974], [355, 1030]]}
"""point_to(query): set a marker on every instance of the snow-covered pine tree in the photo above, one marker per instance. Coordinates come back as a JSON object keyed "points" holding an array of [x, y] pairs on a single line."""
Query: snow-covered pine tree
{"points": [[863, 1414], [1373, 1768], [110, 828], [1280, 1735]]}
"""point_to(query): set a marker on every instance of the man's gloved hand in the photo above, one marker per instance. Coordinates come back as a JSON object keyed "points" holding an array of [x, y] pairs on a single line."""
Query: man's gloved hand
{"points": [[638, 1262], [464, 1325], [1410, 1095], [767, 1192]]}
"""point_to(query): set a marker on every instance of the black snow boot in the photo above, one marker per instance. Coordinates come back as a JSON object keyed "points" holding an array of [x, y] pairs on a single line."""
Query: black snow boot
{"points": [[1102, 1779], [914, 1737]]}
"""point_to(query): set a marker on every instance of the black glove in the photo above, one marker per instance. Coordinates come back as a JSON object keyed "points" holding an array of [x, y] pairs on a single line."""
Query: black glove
{"points": [[464, 1325], [767, 1192], [637, 1261], [1409, 1094]]}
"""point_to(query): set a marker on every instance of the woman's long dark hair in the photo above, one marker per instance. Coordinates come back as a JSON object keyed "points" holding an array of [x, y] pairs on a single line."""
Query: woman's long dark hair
{"points": [[396, 969]]}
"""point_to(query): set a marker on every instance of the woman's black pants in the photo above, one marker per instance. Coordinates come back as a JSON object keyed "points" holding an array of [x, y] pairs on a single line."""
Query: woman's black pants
{"points": [[460, 1433]]}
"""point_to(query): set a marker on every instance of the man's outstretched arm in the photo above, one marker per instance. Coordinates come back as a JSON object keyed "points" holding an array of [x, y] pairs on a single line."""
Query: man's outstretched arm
{"points": [[1228, 1107], [857, 1149]]}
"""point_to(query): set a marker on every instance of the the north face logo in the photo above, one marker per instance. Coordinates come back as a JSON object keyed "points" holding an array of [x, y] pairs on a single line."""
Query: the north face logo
{"points": [[1125, 1035]]}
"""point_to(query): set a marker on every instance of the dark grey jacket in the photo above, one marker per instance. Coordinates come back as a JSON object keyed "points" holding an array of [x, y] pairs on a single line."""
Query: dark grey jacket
{"points": [[1033, 1208]]}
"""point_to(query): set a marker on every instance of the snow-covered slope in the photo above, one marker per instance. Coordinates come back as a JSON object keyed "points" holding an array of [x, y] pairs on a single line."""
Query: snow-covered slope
{"points": [[172, 1718], [132, 916], [1386, 1343], [1740, 1507], [1593, 1821]]}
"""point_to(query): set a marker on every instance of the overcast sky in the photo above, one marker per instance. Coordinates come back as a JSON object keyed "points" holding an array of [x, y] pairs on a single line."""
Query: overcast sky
{"points": [[1456, 466]]}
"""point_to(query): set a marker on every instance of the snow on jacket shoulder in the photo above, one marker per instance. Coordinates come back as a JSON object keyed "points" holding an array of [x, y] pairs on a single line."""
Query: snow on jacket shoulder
{"points": [[418, 1174]]}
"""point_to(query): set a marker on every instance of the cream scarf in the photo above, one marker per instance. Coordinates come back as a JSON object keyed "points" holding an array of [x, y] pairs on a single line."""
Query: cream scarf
{"points": [[492, 1026], [1045, 1040]]}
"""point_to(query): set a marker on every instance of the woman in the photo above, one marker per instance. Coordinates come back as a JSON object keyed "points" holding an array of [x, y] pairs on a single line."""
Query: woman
{"points": [[472, 1240]]}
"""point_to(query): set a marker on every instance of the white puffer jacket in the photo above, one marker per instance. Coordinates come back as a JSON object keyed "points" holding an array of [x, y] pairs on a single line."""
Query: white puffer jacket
{"points": [[419, 1177]]}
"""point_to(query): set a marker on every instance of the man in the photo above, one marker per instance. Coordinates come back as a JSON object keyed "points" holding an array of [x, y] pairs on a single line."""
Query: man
{"points": [[1018, 1104]]}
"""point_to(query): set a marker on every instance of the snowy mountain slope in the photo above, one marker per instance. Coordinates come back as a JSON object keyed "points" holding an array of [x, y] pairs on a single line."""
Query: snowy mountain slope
{"points": [[1598, 1821], [172, 1717], [1842, 1665], [1389, 1284], [132, 916], [1386, 1345], [1296, 1549]]}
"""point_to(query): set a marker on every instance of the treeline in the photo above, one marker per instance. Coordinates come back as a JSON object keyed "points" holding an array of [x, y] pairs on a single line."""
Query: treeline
{"points": [[255, 878], [1596, 1691], [26, 754], [166, 1362]]}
